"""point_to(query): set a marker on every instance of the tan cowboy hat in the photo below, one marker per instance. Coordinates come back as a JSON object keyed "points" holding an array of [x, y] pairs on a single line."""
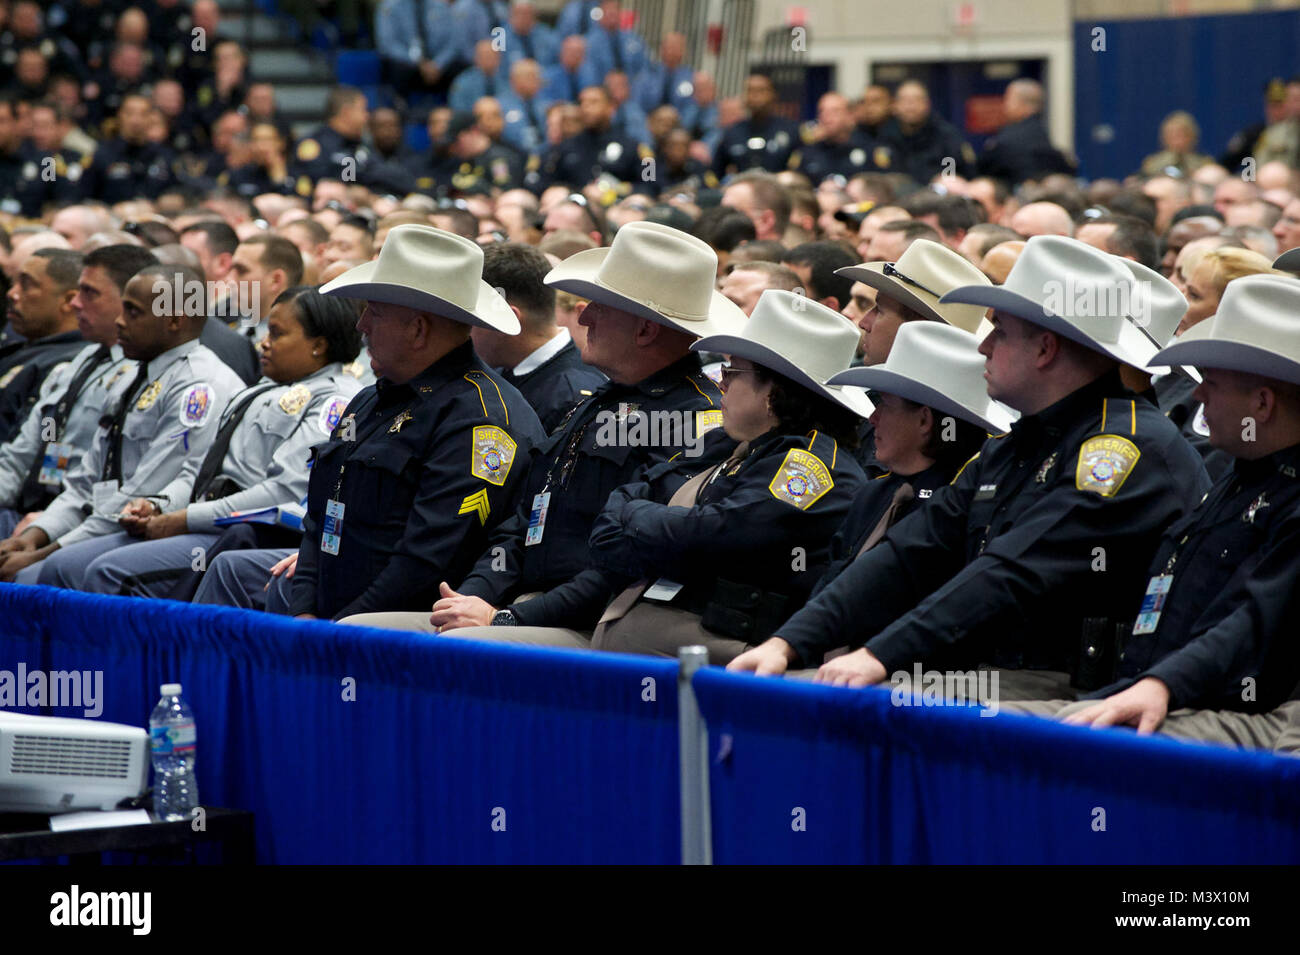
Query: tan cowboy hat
{"points": [[1256, 330], [657, 273], [432, 271], [939, 366], [922, 274], [799, 339], [1070, 288]]}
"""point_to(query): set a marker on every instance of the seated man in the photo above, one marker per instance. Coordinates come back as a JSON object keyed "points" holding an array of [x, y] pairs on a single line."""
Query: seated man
{"points": [[1004, 567], [1211, 655], [165, 420], [426, 461], [259, 456]]}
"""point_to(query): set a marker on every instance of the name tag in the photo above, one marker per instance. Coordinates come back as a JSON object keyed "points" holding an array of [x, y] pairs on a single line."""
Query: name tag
{"points": [[986, 492], [537, 519], [662, 589], [1153, 604], [332, 535], [101, 496], [54, 464]]}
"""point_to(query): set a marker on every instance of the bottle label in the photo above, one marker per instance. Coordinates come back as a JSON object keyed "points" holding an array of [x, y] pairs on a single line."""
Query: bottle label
{"points": [[172, 739]]}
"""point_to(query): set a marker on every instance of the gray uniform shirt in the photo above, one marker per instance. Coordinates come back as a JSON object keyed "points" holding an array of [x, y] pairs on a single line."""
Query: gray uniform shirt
{"points": [[172, 421]]}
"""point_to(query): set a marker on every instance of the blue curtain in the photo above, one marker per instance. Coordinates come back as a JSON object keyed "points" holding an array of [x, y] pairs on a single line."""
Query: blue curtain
{"points": [[575, 755], [803, 773]]}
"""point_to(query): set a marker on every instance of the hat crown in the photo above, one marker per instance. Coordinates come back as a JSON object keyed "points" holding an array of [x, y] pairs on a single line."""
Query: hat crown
{"points": [[1157, 305], [1087, 287], [931, 270], [941, 357], [1262, 310], [668, 270], [812, 337], [424, 257]]}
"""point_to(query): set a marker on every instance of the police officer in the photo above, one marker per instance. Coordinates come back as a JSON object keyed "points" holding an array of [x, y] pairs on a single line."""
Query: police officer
{"points": [[40, 310], [924, 145], [639, 329], [426, 461], [1004, 566], [258, 458], [598, 150], [843, 149], [469, 163], [1021, 149], [166, 419], [34, 465], [50, 173], [1210, 654], [129, 166], [335, 150], [763, 139]]}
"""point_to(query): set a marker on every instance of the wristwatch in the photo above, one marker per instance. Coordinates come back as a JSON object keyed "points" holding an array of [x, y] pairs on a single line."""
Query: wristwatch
{"points": [[505, 618]]}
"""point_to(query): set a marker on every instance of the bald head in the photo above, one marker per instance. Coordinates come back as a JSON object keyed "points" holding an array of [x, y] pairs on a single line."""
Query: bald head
{"points": [[78, 223], [999, 260], [1042, 218], [1022, 99]]}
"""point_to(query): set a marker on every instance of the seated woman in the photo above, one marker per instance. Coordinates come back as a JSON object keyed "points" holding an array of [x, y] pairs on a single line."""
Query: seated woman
{"points": [[932, 415], [258, 458]]}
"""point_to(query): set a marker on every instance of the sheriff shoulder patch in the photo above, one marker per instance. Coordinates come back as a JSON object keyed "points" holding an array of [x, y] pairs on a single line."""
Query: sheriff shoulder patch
{"points": [[308, 150], [801, 479], [295, 399], [197, 405], [706, 421], [493, 453], [1105, 462]]}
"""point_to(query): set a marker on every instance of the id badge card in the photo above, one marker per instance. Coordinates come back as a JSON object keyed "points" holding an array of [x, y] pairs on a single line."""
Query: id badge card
{"points": [[1153, 604], [54, 464], [537, 519], [332, 534], [101, 496], [663, 590]]}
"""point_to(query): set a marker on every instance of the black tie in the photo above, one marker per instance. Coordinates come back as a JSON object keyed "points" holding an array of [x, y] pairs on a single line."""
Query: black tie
{"points": [[490, 8], [491, 84], [667, 97], [573, 86], [526, 41], [616, 49], [216, 455], [33, 492], [113, 455]]}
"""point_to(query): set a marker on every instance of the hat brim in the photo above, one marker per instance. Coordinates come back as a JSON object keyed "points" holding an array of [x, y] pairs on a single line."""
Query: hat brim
{"points": [[873, 274], [578, 275], [1288, 261], [490, 311], [1133, 348], [1197, 347], [739, 347], [992, 418]]}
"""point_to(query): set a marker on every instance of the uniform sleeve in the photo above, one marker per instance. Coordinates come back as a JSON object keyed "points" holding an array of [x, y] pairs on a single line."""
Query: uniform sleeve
{"points": [[498, 570], [436, 531], [16, 399], [66, 511], [396, 35], [17, 455], [576, 603], [1051, 542], [302, 592], [1214, 664]]}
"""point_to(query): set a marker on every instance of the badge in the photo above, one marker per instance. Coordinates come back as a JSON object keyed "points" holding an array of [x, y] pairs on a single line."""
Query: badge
{"points": [[331, 414], [295, 399], [1105, 463], [881, 157], [494, 452], [354, 369], [308, 150], [332, 534], [400, 420], [149, 396], [54, 464], [1153, 604], [10, 375], [706, 421], [613, 151], [1255, 506], [858, 157], [537, 519], [197, 405], [801, 479], [1041, 476]]}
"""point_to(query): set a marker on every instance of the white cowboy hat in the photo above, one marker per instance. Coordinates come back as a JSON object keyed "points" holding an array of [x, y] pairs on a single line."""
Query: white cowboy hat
{"points": [[800, 339], [1256, 330], [922, 274], [655, 272], [1070, 288], [939, 366], [1159, 306], [431, 271], [1288, 261]]}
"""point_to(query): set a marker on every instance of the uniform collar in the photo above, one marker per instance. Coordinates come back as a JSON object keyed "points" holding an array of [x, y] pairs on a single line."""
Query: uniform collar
{"points": [[1055, 418], [665, 379], [542, 355], [450, 366], [160, 363], [1286, 461]]}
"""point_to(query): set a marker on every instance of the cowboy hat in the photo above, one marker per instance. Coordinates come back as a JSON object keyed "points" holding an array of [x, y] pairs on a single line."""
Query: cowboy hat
{"points": [[1255, 330], [924, 272], [432, 271], [1288, 261], [939, 366], [1074, 290], [654, 272], [1160, 305], [799, 339]]}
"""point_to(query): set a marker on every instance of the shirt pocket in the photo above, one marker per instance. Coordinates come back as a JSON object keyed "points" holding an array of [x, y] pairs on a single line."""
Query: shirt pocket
{"points": [[381, 485]]}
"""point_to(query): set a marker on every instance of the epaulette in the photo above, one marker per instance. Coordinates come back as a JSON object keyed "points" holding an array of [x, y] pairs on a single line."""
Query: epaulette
{"points": [[1119, 416], [489, 395], [824, 446]]}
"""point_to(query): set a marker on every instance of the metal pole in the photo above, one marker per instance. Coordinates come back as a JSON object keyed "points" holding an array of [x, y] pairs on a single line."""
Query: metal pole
{"points": [[693, 748]]}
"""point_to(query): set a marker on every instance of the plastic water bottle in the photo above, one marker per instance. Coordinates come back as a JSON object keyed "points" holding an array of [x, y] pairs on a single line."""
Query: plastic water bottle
{"points": [[171, 734]]}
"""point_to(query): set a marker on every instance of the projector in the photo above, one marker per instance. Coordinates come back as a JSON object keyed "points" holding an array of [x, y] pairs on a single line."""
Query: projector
{"points": [[50, 764]]}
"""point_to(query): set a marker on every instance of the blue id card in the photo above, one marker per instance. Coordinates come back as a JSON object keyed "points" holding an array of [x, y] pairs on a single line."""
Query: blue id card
{"points": [[1153, 604], [332, 535], [537, 519]]}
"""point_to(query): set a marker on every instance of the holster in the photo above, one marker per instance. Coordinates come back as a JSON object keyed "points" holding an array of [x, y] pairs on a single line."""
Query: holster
{"points": [[1100, 639]]}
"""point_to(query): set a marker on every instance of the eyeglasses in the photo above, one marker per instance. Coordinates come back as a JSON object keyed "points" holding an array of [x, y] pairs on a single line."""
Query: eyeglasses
{"points": [[893, 272], [729, 373]]}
